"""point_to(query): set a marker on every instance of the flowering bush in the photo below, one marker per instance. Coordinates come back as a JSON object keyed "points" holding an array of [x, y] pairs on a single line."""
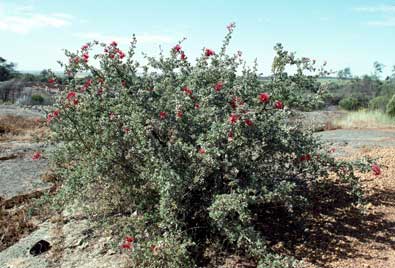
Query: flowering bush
{"points": [[198, 154]]}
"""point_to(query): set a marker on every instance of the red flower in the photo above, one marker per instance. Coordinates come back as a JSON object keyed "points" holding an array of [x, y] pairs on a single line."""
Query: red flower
{"points": [[121, 54], [56, 113], [87, 84], [248, 122], [85, 56], [183, 57], [126, 130], [264, 97], [75, 101], [36, 156], [177, 48], [127, 245], [100, 91], [233, 118], [208, 52], [278, 104], [187, 90], [123, 82], [76, 60], [162, 115], [180, 114], [306, 157], [230, 136], [129, 239], [376, 169], [71, 95], [112, 56], [49, 118], [114, 44], [84, 47], [202, 150], [197, 106], [218, 86], [51, 80]]}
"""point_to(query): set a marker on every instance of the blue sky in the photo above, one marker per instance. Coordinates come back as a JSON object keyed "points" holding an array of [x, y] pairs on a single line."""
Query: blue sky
{"points": [[348, 33]]}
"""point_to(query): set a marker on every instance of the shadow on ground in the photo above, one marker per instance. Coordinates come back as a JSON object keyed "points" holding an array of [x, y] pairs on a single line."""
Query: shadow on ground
{"points": [[334, 228]]}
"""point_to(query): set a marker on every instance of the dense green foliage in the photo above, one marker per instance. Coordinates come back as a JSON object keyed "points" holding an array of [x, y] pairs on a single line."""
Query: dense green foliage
{"points": [[37, 99], [391, 106], [350, 103], [378, 103], [200, 156]]}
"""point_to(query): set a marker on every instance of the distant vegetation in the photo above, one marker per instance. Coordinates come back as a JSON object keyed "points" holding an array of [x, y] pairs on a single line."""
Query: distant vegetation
{"points": [[366, 92]]}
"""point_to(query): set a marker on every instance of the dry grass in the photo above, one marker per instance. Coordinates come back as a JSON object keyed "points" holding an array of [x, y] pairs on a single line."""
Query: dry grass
{"points": [[18, 128], [365, 119]]}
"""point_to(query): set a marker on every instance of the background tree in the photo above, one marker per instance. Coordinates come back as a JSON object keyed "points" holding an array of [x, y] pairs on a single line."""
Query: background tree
{"points": [[7, 70], [345, 73], [378, 69]]}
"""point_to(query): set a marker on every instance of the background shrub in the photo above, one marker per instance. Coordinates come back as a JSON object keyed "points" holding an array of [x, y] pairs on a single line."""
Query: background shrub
{"points": [[378, 103], [350, 103], [391, 107], [37, 99], [198, 156]]}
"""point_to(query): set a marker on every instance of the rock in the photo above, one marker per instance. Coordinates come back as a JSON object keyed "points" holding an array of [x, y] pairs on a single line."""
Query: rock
{"points": [[40, 247]]}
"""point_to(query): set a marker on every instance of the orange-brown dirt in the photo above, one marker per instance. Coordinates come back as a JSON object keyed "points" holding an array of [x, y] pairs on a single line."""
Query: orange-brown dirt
{"points": [[347, 238]]}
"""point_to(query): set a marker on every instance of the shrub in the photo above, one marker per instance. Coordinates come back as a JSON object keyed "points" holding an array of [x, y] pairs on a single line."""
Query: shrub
{"points": [[378, 103], [350, 103], [197, 155], [37, 99], [391, 106]]}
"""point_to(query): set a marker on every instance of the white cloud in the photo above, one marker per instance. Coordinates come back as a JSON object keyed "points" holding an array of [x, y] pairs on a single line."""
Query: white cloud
{"points": [[377, 9], [388, 22], [386, 13], [23, 19], [143, 38]]}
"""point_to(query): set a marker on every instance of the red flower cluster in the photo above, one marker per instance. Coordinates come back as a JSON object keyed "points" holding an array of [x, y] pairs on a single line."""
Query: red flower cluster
{"points": [[36, 156], [197, 106], [72, 96], [187, 90], [177, 48], [306, 157], [85, 57], [51, 80], [278, 104], [52, 115], [183, 57], [114, 44], [84, 47], [202, 150], [86, 85], [180, 114], [208, 52], [248, 122], [376, 169], [264, 97], [230, 136], [128, 242], [162, 115], [218, 86], [233, 118], [235, 102]]}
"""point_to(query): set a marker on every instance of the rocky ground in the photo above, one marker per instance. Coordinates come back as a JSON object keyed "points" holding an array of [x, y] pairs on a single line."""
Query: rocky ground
{"points": [[342, 238]]}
